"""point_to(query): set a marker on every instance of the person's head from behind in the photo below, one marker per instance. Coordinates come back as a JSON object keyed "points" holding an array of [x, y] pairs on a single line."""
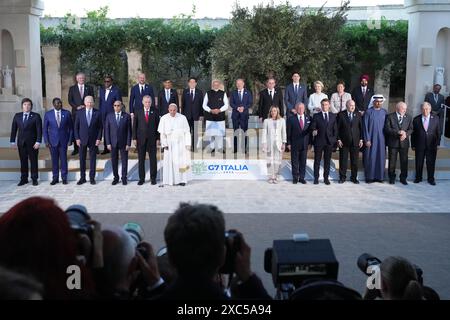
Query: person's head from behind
{"points": [[195, 239], [399, 280], [17, 286], [36, 239]]}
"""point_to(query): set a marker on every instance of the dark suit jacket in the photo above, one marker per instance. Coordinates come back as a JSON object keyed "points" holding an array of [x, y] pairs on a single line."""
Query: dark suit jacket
{"points": [[28, 133], [118, 136], [54, 135], [106, 106], [75, 100], [291, 99], [296, 137], [136, 96], [421, 139], [326, 132], [435, 106], [391, 129], [143, 130], [88, 134], [235, 102], [163, 104], [362, 102], [350, 133], [266, 101], [192, 110]]}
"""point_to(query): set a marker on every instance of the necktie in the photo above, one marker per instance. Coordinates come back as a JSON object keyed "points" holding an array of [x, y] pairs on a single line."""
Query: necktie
{"points": [[26, 118], [350, 115], [142, 90], [118, 118], [425, 124], [326, 117], [81, 92], [270, 93], [301, 122], [296, 89], [436, 97], [89, 118], [400, 120], [58, 118], [192, 95], [364, 92], [167, 95], [146, 116]]}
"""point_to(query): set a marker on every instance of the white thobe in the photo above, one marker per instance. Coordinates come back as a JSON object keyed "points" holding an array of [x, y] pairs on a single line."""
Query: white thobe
{"points": [[215, 129], [175, 134]]}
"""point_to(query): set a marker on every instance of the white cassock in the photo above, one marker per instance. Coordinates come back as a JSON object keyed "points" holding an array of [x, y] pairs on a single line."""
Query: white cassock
{"points": [[176, 135]]}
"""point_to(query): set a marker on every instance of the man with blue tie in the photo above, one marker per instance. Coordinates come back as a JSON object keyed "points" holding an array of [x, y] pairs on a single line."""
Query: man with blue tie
{"points": [[58, 132], [137, 93], [108, 94], [27, 128], [324, 131], [240, 101], [167, 96], [118, 138], [425, 139], [294, 94], [88, 134]]}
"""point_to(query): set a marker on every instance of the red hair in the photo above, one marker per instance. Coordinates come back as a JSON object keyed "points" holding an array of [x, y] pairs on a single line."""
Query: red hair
{"points": [[36, 238]]}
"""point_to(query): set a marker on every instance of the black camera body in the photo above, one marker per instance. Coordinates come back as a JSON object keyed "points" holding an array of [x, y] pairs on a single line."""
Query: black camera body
{"points": [[78, 218], [233, 245]]}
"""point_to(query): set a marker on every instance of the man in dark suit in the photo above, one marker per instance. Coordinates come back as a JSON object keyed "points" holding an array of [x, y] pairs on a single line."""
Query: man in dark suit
{"points": [[298, 134], [58, 133], [88, 134], [324, 131], [192, 108], [398, 128], [240, 101], [167, 96], [76, 96], [27, 128], [294, 94], [436, 100], [145, 136], [362, 94], [425, 140], [118, 138], [138, 91], [270, 97], [350, 140], [107, 95]]}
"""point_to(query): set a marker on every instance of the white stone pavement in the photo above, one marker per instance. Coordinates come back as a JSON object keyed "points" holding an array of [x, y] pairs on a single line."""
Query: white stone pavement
{"points": [[381, 219]]}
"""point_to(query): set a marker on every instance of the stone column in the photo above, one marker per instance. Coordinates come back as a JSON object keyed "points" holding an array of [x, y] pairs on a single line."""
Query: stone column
{"points": [[134, 67], [52, 58]]}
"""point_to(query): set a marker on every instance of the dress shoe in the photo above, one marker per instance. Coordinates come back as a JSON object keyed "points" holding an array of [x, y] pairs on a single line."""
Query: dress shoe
{"points": [[81, 181], [379, 181], [302, 181], [341, 181], [355, 181], [115, 181], [22, 182], [404, 182], [417, 180], [54, 182], [432, 182], [327, 182], [92, 181], [64, 181], [124, 182], [391, 181], [316, 181], [141, 182], [153, 182], [35, 183], [182, 184], [369, 181], [295, 181]]}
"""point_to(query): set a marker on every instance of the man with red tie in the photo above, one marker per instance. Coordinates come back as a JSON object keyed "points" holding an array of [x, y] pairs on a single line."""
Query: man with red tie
{"points": [[146, 136]]}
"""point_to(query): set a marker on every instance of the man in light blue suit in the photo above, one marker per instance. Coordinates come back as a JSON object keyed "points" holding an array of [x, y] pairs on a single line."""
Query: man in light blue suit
{"points": [[294, 94], [107, 95], [58, 133], [240, 101]]}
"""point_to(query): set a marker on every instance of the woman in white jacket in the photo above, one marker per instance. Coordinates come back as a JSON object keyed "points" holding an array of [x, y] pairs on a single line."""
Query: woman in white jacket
{"points": [[314, 105], [274, 142]]}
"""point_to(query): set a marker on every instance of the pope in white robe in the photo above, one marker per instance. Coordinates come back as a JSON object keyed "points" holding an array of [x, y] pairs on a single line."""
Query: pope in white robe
{"points": [[175, 139]]}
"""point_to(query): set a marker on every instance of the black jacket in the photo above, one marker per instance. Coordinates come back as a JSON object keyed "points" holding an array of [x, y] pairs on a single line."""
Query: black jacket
{"points": [[143, 130], [326, 132], [350, 133], [391, 129], [266, 101], [28, 133]]}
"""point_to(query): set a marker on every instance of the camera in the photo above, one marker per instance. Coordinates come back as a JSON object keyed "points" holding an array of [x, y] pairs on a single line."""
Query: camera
{"points": [[233, 245], [78, 219], [136, 233]]}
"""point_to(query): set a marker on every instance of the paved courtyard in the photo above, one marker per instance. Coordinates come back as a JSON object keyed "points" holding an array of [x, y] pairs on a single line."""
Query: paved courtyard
{"points": [[382, 219]]}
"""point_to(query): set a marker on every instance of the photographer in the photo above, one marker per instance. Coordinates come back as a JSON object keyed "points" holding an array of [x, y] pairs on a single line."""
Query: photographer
{"points": [[196, 247]]}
